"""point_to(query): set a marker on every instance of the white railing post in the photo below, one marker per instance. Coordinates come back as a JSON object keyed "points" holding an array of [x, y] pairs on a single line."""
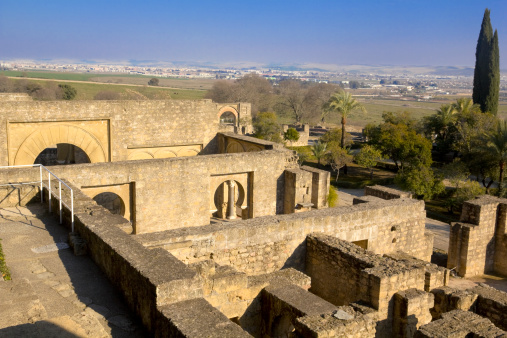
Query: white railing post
{"points": [[72, 207], [49, 187], [60, 189], [41, 189]]}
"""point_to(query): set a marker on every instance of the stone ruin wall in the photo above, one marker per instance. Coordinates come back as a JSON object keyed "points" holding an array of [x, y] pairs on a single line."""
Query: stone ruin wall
{"points": [[176, 193], [478, 243], [130, 124], [385, 193], [267, 244], [175, 304]]}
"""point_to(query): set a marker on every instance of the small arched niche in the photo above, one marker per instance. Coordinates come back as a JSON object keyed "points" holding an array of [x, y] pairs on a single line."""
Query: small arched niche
{"points": [[111, 202]]}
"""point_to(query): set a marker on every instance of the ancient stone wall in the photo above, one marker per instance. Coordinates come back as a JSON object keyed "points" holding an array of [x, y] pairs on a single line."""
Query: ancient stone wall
{"points": [[482, 300], [148, 279], [477, 242], [132, 125], [343, 273], [458, 323], [267, 244], [235, 143], [176, 193], [385, 192]]}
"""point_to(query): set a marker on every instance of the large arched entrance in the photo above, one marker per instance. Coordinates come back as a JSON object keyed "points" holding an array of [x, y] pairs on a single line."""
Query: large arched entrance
{"points": [[50, 136], [62, 153]]}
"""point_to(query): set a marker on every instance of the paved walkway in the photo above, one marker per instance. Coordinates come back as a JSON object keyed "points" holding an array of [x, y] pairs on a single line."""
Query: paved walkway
{"points": [[54, 293]]}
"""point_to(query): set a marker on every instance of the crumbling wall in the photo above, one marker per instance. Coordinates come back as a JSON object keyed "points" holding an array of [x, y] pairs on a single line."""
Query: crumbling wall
{"points": [[267, 244], [162, 291], [342, 273], [478, 240], [482, 300], [459, 323]]}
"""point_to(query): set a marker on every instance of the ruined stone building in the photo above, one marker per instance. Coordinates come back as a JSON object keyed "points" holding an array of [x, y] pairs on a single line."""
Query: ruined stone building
{"points": [[206, 230]]}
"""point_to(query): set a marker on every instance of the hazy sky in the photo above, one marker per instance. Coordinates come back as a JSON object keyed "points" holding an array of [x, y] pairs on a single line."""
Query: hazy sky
{"points": [[395, 32]]}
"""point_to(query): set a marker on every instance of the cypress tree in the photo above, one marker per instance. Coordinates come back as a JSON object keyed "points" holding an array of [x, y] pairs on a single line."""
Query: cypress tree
{"points": [[487, 68], [494, 85]]}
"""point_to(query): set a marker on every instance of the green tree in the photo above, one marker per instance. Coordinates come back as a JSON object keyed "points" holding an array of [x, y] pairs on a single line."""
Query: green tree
{"points": [[421, 181], [319, 150], [343, 103], [266, 127], [497, 147], [368, 157], [68, 92], [487, 68], [334, 136], [291, 135], [337, 157], [403, 145], [153, 82]]}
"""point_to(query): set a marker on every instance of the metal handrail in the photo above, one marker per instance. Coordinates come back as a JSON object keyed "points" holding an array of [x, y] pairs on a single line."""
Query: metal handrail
{"points": [[48, 186]]}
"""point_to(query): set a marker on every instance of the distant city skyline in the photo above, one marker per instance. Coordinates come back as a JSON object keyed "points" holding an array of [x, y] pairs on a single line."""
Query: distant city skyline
{"points": [[394, 32]]}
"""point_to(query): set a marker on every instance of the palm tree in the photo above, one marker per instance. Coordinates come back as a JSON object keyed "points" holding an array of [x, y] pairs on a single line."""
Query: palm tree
{"points": [[497, 145], [446, 115], [464, 105], [344, 103], [319, 150]]}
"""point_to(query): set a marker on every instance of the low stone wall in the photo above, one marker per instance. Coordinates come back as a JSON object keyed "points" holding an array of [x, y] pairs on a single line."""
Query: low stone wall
{"points": [[353, 321], [235, 143], [482, 300], [196, 318], [267, 244], [283, 304], [385, 193], [458, 323], [18, 195]]}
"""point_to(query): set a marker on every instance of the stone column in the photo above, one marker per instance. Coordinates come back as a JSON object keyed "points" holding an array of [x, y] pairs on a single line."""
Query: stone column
{"points": [[231, 212]]}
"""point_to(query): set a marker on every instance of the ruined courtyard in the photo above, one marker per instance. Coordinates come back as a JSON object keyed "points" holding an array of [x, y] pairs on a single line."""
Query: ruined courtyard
{"points": [[205, 231]]}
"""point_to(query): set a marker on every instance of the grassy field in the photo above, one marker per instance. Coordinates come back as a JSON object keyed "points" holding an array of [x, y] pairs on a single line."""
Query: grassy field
{"points": [[113, 78], [87, 91], [197, 84], [375, 108]]}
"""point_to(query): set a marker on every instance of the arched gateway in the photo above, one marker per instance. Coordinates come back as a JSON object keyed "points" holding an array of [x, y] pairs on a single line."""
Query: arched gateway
{"points": [[48, 136]]}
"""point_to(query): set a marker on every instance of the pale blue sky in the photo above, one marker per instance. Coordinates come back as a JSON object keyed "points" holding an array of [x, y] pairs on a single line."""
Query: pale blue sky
{"points": [[394, 32]]}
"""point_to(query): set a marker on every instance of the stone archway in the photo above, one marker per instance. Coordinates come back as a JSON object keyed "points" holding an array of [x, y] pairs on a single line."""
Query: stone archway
{"points": [[45, 137]]}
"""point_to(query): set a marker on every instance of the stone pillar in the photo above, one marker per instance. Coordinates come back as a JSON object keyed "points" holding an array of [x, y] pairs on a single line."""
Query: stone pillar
{"points": [[231, 207]]}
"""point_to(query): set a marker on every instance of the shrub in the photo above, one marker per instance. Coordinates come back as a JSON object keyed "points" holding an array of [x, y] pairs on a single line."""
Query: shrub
{"points": [[332, 197]]}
